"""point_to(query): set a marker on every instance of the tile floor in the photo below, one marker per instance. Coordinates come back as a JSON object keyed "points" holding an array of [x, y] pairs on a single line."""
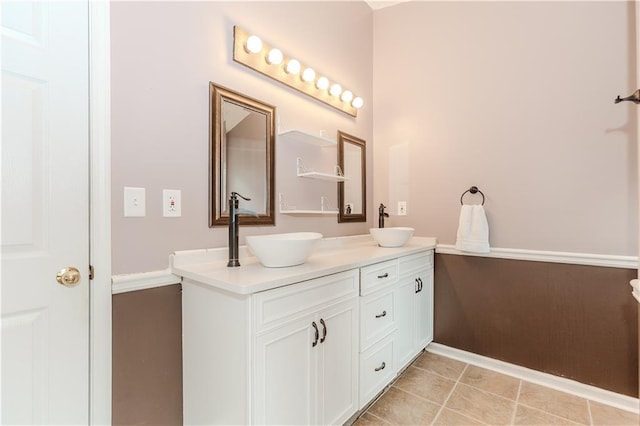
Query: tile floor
{"points": [[436, 390]]}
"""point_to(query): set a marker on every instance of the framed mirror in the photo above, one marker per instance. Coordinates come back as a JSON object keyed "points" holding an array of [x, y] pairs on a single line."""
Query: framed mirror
{"points": [[242, 156], [352, 194]]}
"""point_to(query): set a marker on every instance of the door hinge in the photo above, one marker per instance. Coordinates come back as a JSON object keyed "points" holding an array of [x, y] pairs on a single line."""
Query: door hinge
{"points": [[90, 272]]}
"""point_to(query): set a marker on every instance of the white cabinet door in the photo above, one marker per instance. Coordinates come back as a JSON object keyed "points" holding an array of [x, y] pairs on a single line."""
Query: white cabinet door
{"points": [[285, 375], [424, 309], [338, 365], [299, 383], [405, 311], [414, 315], [306, 359]]}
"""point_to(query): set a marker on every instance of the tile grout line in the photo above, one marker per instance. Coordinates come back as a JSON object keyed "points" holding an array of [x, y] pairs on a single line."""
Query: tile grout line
{"points": [[589, 411], [560, 418], [422, 398], [515, 406], [440, 375], [455, 385], [377, 417]]}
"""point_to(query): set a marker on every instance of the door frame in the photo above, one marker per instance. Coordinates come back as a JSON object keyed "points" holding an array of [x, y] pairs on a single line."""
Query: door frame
{"points": [[100, 392]]}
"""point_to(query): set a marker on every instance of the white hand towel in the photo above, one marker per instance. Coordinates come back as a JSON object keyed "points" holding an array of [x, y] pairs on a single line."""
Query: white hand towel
{"points": [[473, 230]]}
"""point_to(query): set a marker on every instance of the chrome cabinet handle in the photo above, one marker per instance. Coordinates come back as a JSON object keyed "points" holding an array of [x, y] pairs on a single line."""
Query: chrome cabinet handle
{"points": [[383, 314], [417, 285], [315, 327], [324, 331], [420, 282], [385, 275], [382, 366]]}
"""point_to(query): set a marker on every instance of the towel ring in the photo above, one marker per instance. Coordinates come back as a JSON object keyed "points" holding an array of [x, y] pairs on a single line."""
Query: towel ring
{"points": [[473, 190]]}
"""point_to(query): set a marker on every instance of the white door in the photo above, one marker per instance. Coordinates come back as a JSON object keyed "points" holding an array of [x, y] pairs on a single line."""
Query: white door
{"points": [[45, 226]]}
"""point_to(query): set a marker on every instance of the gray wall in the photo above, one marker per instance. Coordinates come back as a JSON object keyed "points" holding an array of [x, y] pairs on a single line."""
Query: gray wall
{"points": [[163, 55], [516, 98]]}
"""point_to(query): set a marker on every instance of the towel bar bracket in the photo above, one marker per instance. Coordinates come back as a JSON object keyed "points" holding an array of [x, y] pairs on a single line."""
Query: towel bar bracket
{"points": [[472, 190]]}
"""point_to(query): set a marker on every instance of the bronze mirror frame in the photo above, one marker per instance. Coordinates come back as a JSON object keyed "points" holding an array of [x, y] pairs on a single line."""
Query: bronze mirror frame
{"points": [[217, 96], [360, 143]]}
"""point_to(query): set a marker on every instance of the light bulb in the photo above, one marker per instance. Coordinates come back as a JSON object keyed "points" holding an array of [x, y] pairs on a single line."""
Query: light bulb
{"points": [[347, 96], [357, 102], [336, 89], [322, 83], [253, 44], [274, 57], [293, 67], [308, 75]]}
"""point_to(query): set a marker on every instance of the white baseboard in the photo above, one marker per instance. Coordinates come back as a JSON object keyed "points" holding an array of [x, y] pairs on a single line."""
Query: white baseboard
{"points": [[635, 284], [606, 260], [592, 393], [142, 281]]}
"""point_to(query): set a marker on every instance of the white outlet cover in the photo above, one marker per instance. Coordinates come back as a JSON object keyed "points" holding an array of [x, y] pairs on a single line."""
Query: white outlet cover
{"points": [[171, 203], [402, 208], [134, 202]]}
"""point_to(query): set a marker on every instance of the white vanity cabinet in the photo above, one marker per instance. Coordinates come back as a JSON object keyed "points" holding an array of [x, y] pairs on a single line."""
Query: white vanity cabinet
{"points": [[311, 344], [413, 306], [282, 356]]}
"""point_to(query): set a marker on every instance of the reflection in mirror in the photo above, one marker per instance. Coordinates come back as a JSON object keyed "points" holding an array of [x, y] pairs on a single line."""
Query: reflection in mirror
{"points": [[242, 142], [352, 193]]}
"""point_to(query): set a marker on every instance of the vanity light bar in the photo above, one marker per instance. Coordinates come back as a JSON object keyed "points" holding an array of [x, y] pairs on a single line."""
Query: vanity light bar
{"points": [[251, 51]]}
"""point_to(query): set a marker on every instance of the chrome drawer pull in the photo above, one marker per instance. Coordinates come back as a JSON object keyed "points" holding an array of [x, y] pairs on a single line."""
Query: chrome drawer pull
{"points": [[385, 275], [382, 366], [383, 314]]}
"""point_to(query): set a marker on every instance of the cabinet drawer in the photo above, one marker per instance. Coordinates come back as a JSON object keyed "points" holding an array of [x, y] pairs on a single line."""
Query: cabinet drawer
{"points": [[377, 276], [377, 317], [285, 304], [414, 262], [376, 369]]}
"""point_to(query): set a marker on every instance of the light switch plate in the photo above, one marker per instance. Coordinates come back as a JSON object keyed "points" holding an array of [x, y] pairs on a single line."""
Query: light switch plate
{"points": [[171, 203], [134, 202]]}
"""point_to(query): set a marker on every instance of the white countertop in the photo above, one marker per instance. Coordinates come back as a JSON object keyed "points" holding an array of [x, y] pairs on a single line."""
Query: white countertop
{"points": [[209, 266]]}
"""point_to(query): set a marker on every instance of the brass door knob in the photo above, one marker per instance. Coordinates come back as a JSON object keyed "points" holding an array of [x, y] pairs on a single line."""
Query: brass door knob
{"points": [[68, 276]]}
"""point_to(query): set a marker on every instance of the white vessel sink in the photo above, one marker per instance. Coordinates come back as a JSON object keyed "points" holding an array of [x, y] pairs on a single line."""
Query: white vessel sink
{"points": [[391, 237], [282, 250]]}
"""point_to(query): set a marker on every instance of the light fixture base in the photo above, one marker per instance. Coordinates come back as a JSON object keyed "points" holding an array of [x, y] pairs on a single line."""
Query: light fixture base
{"points": [[257, 62]]}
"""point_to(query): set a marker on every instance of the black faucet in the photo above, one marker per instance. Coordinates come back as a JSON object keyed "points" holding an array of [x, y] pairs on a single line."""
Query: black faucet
{"points": [[234, 211], [381, 215]]}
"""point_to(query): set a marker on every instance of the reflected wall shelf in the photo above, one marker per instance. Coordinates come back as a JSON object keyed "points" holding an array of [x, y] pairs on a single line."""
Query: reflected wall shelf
{"points": [[287, 209], [295, 135], [306, 173]]}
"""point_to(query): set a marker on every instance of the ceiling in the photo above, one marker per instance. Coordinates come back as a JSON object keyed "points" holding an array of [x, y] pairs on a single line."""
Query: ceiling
{"points": [[379, 4]]}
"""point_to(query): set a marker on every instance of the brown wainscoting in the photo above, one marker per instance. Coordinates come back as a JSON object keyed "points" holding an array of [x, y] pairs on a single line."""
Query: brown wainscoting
{"points": [[147, 357], [574, 321]]}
